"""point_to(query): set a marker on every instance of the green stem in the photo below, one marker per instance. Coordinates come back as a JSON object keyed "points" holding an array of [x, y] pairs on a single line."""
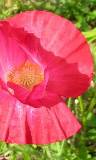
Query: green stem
{"points": [[81, 104], [47, 150], [92, 104], [62, 148], [69, 102], [83, 118]]}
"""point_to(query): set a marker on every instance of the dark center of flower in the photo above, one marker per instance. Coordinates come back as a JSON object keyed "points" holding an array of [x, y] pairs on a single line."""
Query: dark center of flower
{"points": [[27, 75]]}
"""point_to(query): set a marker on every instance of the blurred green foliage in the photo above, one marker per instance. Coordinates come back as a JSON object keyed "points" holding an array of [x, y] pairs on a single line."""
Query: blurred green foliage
{"points": [[83, 145]]}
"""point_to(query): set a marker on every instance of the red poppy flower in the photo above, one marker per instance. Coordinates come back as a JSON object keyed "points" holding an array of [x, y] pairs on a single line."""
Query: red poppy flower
{"points": [[43, 59]]}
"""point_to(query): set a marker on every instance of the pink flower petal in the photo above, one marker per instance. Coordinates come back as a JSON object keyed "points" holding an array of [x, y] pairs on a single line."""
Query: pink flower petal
{"points": [[24, 124], [47, 125], [17, 128], [11, 54], [40, 97], [12, 119], [36, 98], [31, 21], [65, 79], [6, 111]]}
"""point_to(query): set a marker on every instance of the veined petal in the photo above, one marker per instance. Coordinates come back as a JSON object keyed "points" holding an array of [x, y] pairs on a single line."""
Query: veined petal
{"points": [[17, 127], [6, 111], [23, 124], [11, 55], [12, 119], [52, 124], [58, 36], [36, 21]]}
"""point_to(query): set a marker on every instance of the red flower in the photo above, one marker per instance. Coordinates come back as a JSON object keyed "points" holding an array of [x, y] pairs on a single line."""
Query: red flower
{"points": [[43, 59]]}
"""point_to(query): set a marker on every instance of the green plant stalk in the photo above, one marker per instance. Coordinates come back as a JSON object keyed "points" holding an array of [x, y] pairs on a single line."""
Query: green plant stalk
{"points": [[92, 103], [69, 102], [47, 151], [81, 104], [82, 110]]}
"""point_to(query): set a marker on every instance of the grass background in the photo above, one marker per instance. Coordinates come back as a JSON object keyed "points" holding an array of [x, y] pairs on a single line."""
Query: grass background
{"points": [[83, 145]]}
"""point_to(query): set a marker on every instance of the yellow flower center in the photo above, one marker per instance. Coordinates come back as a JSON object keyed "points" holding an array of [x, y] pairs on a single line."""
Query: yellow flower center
{"points": [[26, 75]]}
